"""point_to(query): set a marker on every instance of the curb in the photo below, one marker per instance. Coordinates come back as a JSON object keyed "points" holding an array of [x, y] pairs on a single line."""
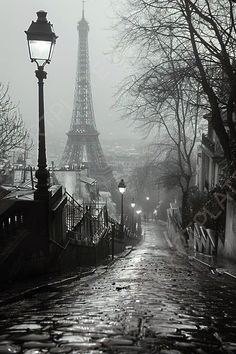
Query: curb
{"points": [[209, 266], [29, 292]]}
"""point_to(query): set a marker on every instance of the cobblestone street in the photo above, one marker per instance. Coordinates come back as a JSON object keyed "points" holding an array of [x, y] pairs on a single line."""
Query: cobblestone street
{"points": [[151, 301]]}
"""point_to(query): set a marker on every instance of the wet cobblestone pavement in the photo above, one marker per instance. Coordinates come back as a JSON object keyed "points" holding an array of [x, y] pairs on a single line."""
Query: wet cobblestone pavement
{"points": [[151, 301]]}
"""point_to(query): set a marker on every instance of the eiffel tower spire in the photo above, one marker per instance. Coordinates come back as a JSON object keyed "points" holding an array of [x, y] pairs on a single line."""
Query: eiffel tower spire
{"points": [[83, 10], [83, 142]]}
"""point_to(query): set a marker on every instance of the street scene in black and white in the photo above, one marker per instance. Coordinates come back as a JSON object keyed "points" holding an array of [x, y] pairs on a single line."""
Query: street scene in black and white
{"points": [[118, 176]]}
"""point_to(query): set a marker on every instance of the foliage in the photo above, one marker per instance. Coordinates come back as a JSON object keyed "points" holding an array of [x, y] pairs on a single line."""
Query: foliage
{"points": [[196, 201], [209, 208]]}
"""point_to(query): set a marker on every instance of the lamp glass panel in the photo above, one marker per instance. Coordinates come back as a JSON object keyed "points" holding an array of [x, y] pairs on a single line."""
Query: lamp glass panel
{"points": [[51, 51], [132, 205], [122, 190], [40, 50]]}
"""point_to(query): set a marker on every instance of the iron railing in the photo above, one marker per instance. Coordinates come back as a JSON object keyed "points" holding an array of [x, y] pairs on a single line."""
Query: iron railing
{"points": [[205, 240], [85, 225], [74, 212]]}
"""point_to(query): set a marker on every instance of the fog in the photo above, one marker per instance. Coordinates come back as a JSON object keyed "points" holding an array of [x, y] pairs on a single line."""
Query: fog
{"points": [[106, 70]]}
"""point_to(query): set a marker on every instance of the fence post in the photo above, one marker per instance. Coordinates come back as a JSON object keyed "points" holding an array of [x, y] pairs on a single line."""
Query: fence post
{"points": [[112, 240], [95, 253], [105, 216]]}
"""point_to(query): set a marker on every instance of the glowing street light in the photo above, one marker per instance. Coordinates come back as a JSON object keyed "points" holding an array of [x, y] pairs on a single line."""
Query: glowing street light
{"points": [[132, 220], [147, 207], [122, 189]]}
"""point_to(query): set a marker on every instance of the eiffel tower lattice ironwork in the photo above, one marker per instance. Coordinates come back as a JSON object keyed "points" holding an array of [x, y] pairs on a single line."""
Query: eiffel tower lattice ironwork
{"points": [[83, 146]]}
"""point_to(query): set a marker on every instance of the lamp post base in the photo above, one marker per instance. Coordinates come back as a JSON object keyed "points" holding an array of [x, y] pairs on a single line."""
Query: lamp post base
{"points": [[42, 194]]}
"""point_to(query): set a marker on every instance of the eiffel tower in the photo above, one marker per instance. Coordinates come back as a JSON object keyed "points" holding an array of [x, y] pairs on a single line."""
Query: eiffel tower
{"points": [[83, 147]]}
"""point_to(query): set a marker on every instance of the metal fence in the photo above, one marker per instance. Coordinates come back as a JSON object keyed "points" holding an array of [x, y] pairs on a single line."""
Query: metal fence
{"points": [[85, 224]]}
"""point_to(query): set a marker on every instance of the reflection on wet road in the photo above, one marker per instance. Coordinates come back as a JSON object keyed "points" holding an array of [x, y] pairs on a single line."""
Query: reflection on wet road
{"points": [[152, 301]]}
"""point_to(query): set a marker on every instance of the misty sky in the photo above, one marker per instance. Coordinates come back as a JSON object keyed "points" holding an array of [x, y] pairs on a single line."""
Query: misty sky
{"points": [[17, 70]]}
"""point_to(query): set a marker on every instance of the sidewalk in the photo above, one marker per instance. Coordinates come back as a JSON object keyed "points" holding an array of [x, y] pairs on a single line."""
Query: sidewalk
{"points": [[220, 266], [19, 290]]}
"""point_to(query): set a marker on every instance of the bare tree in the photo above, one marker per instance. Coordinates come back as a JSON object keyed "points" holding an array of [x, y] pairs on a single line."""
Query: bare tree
{"points": [[12, 130], [167, 99], [203, 45]]}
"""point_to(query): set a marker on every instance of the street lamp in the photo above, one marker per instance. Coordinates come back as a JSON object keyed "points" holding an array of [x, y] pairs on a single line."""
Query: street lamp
{"points": [[122, 189], [133, 204], [147, 200], [155, 214], [139, 229], [41, 40], [132, 221]]}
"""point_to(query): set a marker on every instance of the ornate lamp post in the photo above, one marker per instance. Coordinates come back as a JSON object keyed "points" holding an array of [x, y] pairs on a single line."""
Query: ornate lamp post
{"points": [[41, 40], [122, 189], [132, 220]]}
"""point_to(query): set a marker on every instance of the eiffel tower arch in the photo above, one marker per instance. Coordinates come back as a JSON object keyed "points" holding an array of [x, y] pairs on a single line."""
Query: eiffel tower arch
{"points": [[83, 147]]}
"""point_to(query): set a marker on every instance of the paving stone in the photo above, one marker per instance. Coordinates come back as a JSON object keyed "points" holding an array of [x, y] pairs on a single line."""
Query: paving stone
{"points": [[62, 350], [38, 345], [73, 338], [126, 348], [25, 326], [35, 337], [166, 351], [115, 341], [84, 346], [184, 345], [9, 348]]}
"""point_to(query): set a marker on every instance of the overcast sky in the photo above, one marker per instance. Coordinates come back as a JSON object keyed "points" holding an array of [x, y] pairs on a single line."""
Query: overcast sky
{"points": [[17, 70]]}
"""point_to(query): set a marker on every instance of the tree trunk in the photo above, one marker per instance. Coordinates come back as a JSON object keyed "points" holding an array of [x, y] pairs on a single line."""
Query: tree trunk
{"points": [[185, 207]]}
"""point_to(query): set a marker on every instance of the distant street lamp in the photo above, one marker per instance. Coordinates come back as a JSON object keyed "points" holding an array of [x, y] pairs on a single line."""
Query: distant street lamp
{"points": [[155, 214], [41, 40], [139, 229], [122, 189], [132, 220], [147, 207]]}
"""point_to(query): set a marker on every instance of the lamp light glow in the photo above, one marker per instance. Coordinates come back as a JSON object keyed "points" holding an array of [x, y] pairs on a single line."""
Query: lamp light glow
{"points": [[41, 39], [122, 186]]}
